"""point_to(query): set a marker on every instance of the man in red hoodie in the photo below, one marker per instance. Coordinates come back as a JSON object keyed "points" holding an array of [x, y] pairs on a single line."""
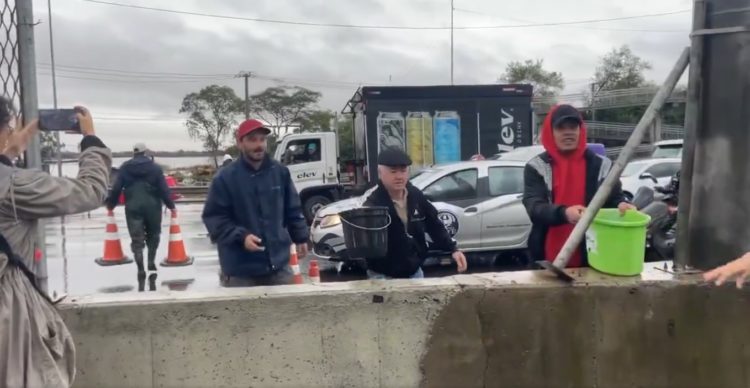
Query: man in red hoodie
{"points": [[560, 183]]}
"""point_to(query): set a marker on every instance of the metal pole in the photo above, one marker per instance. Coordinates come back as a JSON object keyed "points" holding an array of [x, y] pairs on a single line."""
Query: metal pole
{"points": [[54, 85], [452, 11], [593, 101], [247, 97], [574, 240], [692, 125], [246, 75], [29, 109]]}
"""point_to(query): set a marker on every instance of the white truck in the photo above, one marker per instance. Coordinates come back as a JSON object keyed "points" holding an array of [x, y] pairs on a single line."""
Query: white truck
{"points": [[312, 159]]}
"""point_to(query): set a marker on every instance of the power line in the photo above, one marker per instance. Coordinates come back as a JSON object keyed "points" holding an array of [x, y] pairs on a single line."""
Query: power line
{"points": [[119, 74], [529, 23], [129, 76], [135, 72], [133, 80], [381, 27]]}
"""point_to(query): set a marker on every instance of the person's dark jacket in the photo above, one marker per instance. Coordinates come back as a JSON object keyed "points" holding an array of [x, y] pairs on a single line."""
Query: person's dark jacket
{"points": [[140, 169], [537, 197], [263, 202], [407, 254], [226, 163]]}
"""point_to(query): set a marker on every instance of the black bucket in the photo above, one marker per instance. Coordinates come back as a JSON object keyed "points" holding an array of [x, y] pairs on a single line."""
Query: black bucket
{"points": [[366, 232]]}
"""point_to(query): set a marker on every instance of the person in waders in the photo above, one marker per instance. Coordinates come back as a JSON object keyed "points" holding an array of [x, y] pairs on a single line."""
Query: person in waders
{"points": [[145, 189]]}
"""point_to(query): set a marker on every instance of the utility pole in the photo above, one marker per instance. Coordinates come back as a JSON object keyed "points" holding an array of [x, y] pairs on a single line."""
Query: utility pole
{"points": [[246, 75], [54, 87], [452, 11]]}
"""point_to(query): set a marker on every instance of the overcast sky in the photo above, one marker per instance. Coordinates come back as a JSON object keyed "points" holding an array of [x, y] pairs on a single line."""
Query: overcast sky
{"points": [[131, 105]]}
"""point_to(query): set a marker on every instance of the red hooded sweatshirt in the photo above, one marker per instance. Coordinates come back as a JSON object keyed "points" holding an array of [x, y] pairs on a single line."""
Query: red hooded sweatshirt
{"points": [[568, 188]]}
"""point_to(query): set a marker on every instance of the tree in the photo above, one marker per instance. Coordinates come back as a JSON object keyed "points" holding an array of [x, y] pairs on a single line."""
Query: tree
{"points": [[49, 145], [212, 115], [345, 129], [620, 69], [316, 121], [545, 83], [283, 106]]}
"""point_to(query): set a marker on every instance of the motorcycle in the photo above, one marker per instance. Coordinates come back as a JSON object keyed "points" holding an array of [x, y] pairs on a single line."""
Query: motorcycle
{"points": [[661, 231]]}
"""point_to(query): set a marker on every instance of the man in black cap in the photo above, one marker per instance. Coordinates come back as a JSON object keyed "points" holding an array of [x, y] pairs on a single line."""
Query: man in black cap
{"points": [[412, 215]]}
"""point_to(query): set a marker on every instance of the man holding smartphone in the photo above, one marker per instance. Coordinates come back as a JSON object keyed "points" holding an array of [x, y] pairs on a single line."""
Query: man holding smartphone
{"points": [[30, 357], [253, 213]]}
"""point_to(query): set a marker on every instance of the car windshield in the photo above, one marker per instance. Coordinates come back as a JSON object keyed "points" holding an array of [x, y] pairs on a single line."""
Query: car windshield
{"points": [[632, 168], [674, 151], [421, 178]]}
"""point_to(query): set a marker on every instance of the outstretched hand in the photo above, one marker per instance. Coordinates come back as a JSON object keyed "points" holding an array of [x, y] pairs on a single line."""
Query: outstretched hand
{"points": [[739, 269]]}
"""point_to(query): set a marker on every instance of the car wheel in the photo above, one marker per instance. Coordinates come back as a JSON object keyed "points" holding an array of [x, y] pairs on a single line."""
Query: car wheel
{"points": [[313, 204]]}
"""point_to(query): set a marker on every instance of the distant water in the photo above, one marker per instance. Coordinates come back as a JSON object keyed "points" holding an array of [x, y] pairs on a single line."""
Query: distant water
{"points": [[71, 169]]}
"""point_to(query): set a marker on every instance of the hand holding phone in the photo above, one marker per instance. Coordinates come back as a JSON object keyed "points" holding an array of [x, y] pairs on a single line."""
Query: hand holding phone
{"points": [[59, 120]]}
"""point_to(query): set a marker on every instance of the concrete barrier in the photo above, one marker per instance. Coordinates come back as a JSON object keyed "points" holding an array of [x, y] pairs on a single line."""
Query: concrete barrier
{"points": [[507, 330]]}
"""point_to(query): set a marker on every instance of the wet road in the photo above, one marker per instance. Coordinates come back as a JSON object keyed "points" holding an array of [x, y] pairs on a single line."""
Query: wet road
{"points": [[73, 245]]}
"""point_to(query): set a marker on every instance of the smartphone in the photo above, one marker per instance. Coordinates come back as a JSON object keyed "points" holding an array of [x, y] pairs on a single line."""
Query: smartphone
{"points": [[59, 120]]}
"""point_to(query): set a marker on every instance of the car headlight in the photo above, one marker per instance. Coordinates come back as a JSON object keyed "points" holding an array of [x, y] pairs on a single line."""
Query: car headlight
{"points": [[330, 221]]}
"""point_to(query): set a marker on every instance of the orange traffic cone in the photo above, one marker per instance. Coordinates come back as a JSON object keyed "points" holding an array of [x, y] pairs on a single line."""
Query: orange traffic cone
{"points": [[294, 263], [177, 256], [113, 254], [314, 273]]}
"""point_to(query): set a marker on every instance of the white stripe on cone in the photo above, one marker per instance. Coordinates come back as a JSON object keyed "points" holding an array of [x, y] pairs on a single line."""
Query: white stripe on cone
{"points": [[315, 279], [295, 269], [175, 237], [112, 237]]}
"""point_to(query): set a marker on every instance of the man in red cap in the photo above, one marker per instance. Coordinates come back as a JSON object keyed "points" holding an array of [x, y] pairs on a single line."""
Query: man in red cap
{"points": [[254, 214]]}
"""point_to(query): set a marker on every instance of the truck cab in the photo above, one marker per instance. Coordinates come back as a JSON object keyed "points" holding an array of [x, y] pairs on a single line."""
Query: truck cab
{"points": [[312, 159]]}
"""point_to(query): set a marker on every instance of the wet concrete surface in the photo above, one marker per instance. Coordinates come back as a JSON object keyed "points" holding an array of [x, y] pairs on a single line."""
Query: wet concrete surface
{"points": [[73, 245]]}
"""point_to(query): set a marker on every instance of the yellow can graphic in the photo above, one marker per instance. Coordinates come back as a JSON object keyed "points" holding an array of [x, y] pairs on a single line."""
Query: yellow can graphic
{"points": [[419, 138]]}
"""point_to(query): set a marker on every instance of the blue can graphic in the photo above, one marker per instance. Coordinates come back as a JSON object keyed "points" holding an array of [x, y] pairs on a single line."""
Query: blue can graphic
{"points": [[447, 137]]}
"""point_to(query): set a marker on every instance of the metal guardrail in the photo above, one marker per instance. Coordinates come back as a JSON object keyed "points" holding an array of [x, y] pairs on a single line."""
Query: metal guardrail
{"points": [[607, 99], [191, 191], [642, 151], [619, 131]]}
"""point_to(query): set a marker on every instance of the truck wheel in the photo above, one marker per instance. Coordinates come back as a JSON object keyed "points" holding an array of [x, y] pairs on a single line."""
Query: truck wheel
{"points": [[313, 204]]}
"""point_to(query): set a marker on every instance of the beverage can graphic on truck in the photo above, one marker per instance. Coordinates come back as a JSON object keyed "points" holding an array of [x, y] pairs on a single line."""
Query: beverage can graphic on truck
{"points": [[447, 134], [419, 138], [391, 131]]}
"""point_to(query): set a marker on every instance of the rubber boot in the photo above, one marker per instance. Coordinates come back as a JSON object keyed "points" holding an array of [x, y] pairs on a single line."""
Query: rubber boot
{"points": [[141, 281], [152, 282], [152, 259], [138, 256]]}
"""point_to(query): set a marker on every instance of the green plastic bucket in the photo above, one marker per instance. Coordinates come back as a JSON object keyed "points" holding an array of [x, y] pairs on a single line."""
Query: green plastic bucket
{"points": [[616, 244]]}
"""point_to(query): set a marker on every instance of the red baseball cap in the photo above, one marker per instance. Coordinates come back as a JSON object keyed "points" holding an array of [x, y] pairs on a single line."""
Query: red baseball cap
{"points": [[249, 126]]}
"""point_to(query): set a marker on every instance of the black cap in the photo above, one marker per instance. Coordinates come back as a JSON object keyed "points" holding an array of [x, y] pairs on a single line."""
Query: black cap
{"points": [[393, 157], [564, 113]]}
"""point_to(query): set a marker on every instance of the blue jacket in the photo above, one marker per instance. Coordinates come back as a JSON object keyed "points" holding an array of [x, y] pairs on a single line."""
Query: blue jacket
{"points": [[140, 169], [262, 202]]}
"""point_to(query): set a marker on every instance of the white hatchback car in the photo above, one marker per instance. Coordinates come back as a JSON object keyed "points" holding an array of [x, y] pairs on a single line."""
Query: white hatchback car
{"points": [[479, 202]]}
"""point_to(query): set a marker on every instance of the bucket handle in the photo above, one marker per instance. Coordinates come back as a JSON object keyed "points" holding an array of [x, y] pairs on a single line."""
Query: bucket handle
{"points": [[369, 229]]}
